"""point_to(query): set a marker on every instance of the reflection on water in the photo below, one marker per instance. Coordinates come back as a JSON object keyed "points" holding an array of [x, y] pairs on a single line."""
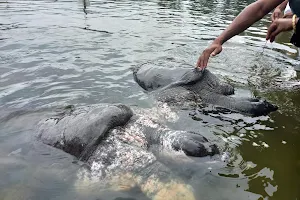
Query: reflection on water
{"points": [[62, 52]]}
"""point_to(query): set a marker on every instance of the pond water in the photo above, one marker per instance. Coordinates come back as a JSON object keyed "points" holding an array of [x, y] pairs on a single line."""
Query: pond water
{"points": [[56, 53]]}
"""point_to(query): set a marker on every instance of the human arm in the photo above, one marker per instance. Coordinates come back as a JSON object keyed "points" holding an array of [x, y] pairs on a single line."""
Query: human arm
{"points": [[278, 26], [245, 19]]}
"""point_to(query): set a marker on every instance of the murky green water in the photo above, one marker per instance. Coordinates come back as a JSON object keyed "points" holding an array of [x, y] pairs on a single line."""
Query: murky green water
{"points": [[54, 53]]}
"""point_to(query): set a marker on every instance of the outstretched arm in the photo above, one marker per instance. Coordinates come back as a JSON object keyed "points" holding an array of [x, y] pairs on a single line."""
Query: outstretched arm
{"points": [[245, 19]]}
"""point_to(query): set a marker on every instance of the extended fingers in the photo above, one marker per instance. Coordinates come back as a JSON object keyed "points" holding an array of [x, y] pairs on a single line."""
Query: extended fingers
{"points": [[211, 51], [271, 29], [274, 34], [199, 65], [203, 59]]}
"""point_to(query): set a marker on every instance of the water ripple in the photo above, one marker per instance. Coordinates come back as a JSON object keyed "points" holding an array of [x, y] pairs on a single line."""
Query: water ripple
{"points": [[67, 52]]}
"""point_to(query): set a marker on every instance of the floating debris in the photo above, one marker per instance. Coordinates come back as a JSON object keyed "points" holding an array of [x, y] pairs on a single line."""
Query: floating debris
{"points": [[265, 144], [284, 142], [255, 144]]}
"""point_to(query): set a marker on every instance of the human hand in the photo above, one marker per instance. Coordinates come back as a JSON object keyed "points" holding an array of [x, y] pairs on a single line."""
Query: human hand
{"points": [[278, 26], [288, 15], [276, 14], [214, 49]]}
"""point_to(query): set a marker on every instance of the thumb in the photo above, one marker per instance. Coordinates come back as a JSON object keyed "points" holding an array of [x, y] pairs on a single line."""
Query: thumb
{"points": [[216, 51], [274, 16]]}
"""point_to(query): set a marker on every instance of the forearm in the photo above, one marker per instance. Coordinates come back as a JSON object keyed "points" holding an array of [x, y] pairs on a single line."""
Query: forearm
{"points": [[247, 17]]}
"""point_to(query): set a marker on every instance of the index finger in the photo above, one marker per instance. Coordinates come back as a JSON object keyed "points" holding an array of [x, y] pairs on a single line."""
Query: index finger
{"points": [[200, 62], [203, 60], [271, 29]]}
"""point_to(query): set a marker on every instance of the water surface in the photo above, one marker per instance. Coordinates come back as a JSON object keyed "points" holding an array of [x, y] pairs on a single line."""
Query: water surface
{"points": [[56, 53]]}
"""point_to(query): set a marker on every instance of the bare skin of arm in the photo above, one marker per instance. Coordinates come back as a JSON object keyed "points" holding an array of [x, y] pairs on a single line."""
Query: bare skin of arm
{"points": [[244, 20]]}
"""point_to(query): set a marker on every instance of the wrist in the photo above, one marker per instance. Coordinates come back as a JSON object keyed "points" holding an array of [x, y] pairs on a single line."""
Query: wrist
{"points": [[218, 40]]}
